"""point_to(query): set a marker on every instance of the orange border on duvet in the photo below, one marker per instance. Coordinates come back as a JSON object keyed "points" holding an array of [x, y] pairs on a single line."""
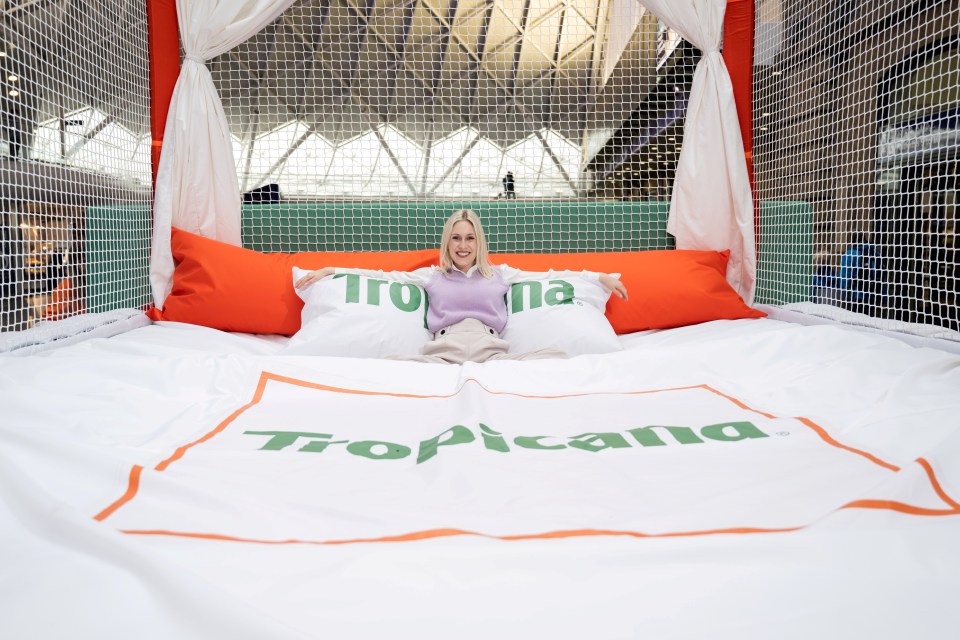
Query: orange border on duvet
{"points": [[133, 484]]}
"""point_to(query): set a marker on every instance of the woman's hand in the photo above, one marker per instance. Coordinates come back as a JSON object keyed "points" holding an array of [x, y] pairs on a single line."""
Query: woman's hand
{"points": [[313, 276], [611, 283]]}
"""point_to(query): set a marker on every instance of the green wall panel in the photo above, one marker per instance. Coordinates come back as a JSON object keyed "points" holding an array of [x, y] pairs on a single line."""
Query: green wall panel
{"points": [[785, 266], [118, 238], [511, 226], [118, 257]]}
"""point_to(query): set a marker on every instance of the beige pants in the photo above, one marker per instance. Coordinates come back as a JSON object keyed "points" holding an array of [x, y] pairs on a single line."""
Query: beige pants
{"points": [[472, 341]]}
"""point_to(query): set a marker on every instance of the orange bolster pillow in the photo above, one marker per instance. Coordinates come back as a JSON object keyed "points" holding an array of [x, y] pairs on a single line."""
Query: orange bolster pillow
{"points": [[665, 289], [234, 289]]}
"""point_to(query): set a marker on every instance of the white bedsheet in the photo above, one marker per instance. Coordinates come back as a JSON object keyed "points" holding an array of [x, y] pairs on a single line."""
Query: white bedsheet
{"points": [[666, 541]]}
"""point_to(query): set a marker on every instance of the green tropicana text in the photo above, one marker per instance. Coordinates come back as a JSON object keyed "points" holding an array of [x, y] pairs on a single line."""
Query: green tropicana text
{"points": [[403, 296], [529, 294], [491, 440], [559, 292]]}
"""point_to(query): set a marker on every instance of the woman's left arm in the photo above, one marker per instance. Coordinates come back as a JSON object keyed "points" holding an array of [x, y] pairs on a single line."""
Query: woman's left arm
{"points": [[612, 283]]}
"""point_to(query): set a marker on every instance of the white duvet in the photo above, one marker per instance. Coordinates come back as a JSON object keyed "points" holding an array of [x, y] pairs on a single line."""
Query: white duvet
{"points": [[740, 479]]}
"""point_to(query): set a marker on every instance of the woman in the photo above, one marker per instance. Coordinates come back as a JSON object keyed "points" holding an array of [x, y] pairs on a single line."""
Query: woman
{"points": [[467, 308]]}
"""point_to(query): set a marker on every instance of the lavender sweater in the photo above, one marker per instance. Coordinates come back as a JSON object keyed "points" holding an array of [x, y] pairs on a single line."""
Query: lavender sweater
{"points": [[454, 295]]}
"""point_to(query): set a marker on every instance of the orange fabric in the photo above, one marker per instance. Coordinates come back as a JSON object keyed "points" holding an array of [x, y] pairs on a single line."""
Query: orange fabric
{"points": [[738, 45], [666, 289], [266, 376], [234, 289], [738, 40], [63, 302], [163, 34]]}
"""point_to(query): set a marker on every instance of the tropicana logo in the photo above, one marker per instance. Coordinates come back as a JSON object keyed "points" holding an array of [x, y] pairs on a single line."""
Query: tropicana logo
{"points": [[560, 292], [403, 296], [409, 297], [648, 436]]}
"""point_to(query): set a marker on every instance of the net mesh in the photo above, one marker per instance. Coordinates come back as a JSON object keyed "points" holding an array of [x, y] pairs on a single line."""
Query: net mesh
{"points": [[856, 106], [559, 121], [358, 125], [75, 165]]}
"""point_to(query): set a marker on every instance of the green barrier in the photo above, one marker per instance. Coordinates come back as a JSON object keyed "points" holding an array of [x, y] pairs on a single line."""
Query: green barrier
{"points": [[118, 257], [785, 267], [118, 238], [519, 226]]}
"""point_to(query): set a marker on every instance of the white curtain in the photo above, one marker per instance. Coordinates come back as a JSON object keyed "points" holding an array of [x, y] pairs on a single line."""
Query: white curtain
{"points": [[197, 187], [624, 16], [712, 204]]}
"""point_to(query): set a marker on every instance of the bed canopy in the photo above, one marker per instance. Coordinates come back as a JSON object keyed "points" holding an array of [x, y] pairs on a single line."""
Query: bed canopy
{"points": [[196, 179]]}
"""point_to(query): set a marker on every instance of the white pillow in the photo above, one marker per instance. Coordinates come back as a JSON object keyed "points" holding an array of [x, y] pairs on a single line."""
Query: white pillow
{"points": [[361, 317], [565, 313]]}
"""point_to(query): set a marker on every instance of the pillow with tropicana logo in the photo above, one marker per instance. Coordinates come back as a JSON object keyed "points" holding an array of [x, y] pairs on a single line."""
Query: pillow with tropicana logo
{"points": [[563, 313], [356, 316]]}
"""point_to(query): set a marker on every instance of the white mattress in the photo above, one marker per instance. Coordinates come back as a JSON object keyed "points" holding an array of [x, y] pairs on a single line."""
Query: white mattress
{"points": [[841, 521]]}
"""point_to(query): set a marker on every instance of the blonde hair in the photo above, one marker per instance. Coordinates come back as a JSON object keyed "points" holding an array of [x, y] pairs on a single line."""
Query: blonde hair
{"points": [[446, 261]]}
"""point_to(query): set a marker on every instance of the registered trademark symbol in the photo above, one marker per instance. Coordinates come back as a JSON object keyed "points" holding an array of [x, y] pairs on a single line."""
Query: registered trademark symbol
{"points": [[783, 433]]}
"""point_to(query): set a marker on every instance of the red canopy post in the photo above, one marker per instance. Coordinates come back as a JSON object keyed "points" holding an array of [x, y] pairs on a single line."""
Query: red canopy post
{"points": [[164, 44], [738, 43]]}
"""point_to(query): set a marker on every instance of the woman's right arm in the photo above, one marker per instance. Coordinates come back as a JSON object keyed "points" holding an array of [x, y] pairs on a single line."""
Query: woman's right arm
{"points": [[419, 277], [313, 276]]}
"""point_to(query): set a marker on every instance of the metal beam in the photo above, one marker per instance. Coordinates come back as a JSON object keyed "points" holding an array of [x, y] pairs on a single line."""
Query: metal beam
{"points": [[361, 33], [293, 147], [556, 160], [312, 46], [437, 73], [409, 9], [427, 153], [518, 49], [481, 53], [456, 163], [93, 133], [393, 158], [555, 66], [555, 60], [596, 72]]}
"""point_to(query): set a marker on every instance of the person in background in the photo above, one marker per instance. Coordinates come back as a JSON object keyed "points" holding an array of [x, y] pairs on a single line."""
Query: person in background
{"points": [[468, 308], [509, 188]]}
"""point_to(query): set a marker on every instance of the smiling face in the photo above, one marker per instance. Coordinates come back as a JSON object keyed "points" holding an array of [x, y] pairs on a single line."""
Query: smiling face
{"points": [[462, 246]]}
